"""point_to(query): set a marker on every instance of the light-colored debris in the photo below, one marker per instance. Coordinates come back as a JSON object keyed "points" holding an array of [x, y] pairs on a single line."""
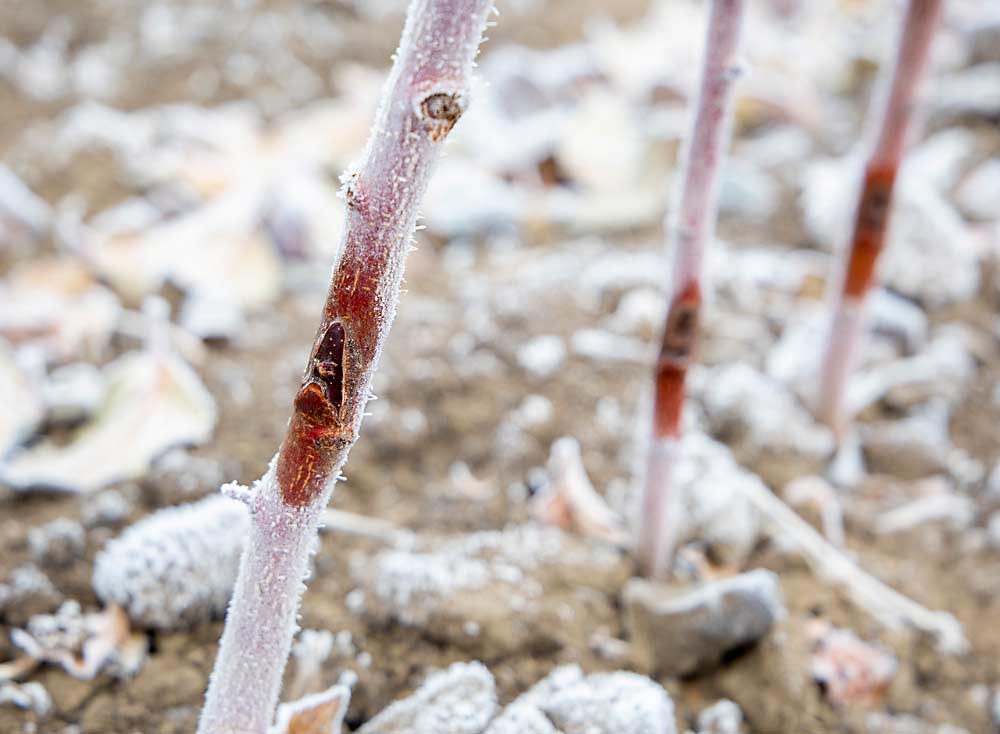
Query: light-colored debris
{"points": [[569, 702], [31, 696], [849, 670], [57, 543], [57, 304], [600, 147], [23, 409], [714, 511], [72, 392], [680, 631], [177, 566], [979, 192], [339, 521], [603, 346], [542, 355], [760, 413], [26, 593], [154, 400], [942, 370], [83, 644], [722, 717], [569, 500], [887, 605], [499, 580], [993, 530], [911, 448], [318, 713], [955, 510], [968, 92], [459, 700], [17, 668], [105, 508], [20, 208], [748, 192], [309, 651], [816, 493]]}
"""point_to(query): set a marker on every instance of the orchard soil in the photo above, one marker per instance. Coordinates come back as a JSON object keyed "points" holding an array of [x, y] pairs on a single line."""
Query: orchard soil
{"points": [[405, 478]]}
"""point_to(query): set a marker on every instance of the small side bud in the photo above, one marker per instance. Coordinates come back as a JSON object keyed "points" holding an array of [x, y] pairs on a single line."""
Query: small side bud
{"points": [[439, 113]]}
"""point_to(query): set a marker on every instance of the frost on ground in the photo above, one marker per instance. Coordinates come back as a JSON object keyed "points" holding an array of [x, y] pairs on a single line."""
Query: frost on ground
{"points": [[462, 700], [568, 701], [459, 700], [176, 567], [499, 589]]}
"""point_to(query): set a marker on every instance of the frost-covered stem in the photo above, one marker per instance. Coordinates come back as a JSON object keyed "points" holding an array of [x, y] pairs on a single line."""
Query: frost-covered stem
{"points": [[692, 225], [871, 218], [425, 95]]}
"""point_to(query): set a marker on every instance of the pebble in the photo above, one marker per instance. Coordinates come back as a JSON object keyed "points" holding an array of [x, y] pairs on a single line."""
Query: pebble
{"points": [[978, 193], [912, 448], [27, 593], [567, 702], [681, 632], [722, 717], [542, 355], [993, 530], [57, 543], [459, 700]]}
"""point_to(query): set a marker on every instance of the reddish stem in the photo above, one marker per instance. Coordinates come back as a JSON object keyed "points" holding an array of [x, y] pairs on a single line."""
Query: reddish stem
{"points": [[695, 214], [874, 205], [423, 99]]}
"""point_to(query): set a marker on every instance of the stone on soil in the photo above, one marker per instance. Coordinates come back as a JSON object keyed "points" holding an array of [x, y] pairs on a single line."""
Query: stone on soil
{"points": [[681, 632], [569, 702], [459, 700]]}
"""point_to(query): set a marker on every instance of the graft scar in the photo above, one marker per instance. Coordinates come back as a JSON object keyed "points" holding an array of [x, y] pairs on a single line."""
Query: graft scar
{"points": [[321, 422]]}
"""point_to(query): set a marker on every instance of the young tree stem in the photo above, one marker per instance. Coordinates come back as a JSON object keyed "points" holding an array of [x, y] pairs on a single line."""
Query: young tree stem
{"points": [[425, 95], [692, 226], [871, 217]]}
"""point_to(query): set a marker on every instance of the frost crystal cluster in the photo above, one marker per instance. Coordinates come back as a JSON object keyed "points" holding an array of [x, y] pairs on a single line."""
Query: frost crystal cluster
{"points": [[176, 567]]}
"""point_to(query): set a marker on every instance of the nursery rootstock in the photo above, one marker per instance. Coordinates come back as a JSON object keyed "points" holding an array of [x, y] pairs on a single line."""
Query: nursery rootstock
{"points": [[871, 219], [425, 95], [692, 225]]}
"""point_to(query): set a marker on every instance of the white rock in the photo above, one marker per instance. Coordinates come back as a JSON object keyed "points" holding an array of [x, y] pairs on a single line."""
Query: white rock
{"points": [[747, 192], [939, 160], [73, 391], [20, 204], [970, 91], [979, 192], [912, 448], [569, 702], [761, 411], [899, 319], [954, 509], [542, 355], [993, 529], [722, 717], [714, 510], [603, 346], [57, 543], [459, 700], [639, 312]]}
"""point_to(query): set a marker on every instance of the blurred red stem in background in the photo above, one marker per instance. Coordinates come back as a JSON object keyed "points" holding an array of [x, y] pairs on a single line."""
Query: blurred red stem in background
{"points": [[692, 227], [871, 218]]}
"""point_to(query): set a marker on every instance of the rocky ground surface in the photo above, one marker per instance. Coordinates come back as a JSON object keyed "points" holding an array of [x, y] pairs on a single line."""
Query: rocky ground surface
{"points": [[168, 217]]}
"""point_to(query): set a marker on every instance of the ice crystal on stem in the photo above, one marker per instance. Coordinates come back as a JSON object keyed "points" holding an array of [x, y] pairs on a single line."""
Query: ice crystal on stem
{"points": [[424, 97], [693, 226]]}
